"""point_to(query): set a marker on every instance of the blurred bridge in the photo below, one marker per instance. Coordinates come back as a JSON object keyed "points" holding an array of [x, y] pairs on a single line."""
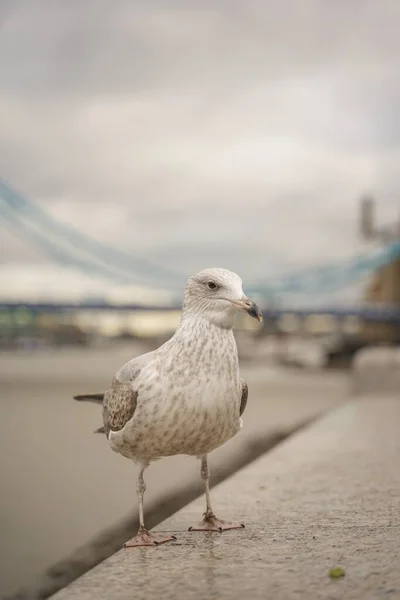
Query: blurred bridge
{"points": [[71, 248]]}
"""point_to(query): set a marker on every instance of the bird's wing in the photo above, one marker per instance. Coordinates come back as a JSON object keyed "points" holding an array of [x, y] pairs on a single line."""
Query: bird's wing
{"points": [[120, 399], [245, 394], [119, 405]]}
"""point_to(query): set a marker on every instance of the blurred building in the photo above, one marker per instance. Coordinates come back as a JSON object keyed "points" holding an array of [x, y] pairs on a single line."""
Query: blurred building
{"points": [[384, 287]]}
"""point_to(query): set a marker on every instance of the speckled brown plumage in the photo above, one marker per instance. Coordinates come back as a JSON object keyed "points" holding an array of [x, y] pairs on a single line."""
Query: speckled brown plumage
{"points": [[119, 405]]}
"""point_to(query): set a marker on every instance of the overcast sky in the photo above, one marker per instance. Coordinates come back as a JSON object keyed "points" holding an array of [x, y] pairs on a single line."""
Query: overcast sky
{"points": [[200, 133]]}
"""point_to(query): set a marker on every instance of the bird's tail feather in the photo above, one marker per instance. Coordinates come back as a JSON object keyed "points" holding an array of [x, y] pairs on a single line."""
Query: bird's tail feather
{"points": [[97, 398]]}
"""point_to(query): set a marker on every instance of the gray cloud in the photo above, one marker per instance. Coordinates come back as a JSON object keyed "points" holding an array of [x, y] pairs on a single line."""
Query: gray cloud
{"points": [[205, 132]]}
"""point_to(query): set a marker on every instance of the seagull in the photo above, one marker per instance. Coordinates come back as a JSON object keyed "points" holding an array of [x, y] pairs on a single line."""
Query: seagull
{"points": [[187, 396]]}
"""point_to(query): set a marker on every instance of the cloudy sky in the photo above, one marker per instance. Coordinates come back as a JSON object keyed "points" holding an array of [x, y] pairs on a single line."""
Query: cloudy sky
{"points": [[198, 132]]}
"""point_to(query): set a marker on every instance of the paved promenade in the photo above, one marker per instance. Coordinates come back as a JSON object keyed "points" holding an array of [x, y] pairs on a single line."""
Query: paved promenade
{"points": [[328, 496]]}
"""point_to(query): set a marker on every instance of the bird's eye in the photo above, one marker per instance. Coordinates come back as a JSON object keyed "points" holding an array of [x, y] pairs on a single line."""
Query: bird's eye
{"points": [[212, 285]]}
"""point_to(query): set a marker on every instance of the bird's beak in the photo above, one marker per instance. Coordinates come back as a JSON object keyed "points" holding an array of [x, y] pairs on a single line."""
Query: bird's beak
{"points": [[250, 307]]}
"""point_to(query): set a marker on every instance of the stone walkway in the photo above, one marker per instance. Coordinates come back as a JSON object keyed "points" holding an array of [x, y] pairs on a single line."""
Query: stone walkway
{"points": [[328, 496]]}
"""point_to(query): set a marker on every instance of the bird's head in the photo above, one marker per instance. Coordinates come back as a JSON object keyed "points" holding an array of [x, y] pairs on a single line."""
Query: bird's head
{"points": [[217, 295]]}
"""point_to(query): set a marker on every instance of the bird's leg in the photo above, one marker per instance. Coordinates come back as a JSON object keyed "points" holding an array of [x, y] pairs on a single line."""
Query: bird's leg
{"points": [[210, 522], [144, 537]]}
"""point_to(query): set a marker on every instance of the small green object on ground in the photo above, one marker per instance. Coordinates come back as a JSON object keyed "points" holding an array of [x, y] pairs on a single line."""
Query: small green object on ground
{"points": [[336, 573]]}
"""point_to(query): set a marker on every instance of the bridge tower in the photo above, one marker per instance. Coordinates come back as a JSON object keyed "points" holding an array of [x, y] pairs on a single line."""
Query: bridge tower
{"points": [[384, 286]]}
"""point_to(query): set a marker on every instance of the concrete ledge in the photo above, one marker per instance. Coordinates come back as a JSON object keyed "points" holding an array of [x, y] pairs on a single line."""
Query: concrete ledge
{"points": [[327, 496]]}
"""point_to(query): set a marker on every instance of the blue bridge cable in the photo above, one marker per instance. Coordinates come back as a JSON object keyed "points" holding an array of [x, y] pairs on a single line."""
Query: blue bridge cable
{"points": [[66, 258], [57, 255], [22, 205], [334, 275]]}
